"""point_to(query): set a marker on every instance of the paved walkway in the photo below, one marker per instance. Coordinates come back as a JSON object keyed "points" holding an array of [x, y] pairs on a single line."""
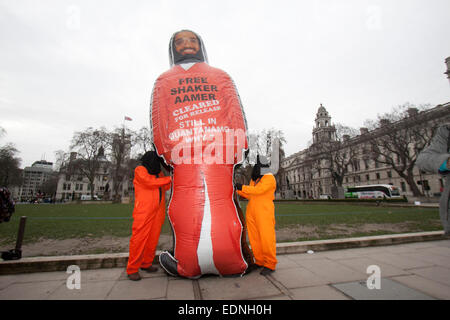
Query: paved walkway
{"points": [[419, 270]]}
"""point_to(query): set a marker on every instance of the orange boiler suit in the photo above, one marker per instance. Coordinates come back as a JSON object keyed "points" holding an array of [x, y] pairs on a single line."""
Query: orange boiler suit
{"points": [[260, 219], [148, 217]]}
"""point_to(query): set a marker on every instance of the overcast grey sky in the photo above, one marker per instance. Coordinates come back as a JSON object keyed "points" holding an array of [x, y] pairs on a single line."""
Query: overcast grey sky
{"points": [[69, 65]]}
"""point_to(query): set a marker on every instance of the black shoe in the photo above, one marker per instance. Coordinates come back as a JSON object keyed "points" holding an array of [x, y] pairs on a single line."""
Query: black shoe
{"points": [[252, 267], [13, 254], [266, 271], [134, 276], [168, 263], [150, 269]]}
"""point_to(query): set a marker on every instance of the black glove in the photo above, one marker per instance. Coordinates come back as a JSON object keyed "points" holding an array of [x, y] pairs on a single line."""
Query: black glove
{"points": [[238, 186]]}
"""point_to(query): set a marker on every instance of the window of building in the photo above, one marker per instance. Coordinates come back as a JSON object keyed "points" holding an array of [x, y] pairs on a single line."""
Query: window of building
{"points": [[378, 176], [367, 177], [403, 186], [389, 174], [356, 165]]}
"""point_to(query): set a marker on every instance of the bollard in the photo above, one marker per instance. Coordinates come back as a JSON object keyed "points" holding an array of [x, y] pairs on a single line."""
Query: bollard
{"points": [[16, 254], [21, 233]]}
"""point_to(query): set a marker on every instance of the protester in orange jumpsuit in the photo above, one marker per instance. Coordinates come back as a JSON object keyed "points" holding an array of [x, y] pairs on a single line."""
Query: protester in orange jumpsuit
{"points": [[148, 214], [260, 217]]}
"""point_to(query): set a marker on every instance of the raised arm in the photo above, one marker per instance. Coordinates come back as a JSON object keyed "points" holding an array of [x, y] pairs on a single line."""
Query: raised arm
{"points": [[266, 183], [242, 194], [150, 181]]}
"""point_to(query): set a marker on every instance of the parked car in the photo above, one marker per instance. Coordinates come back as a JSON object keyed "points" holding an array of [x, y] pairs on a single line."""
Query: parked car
{"points": [[88, 197]]}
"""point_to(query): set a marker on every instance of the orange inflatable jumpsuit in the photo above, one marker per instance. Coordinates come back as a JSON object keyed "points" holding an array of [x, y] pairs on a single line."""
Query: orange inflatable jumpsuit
{"points": [[260, 218], [148, 216]]}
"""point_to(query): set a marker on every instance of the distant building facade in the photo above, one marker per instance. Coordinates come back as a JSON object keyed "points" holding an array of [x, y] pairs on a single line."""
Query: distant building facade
{"points": [[72, 184], [33, 178], [306, 174]]}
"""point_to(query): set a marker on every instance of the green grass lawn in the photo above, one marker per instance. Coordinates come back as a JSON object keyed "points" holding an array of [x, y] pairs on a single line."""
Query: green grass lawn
{"points": [[329, 217], [318, 214], [57, 221]]}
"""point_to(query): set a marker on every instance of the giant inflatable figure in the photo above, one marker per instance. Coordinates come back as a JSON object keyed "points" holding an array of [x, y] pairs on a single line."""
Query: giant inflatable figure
{"points": [[199, 129]]}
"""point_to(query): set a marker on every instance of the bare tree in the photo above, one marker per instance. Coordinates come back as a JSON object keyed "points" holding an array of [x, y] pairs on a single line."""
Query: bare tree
{"points": [[143, 140], [273, 134], [398, 137], [10, 173], [61, 159], [261, 143], [49, 186], [89, 145], [120, 143], [339, 154]]}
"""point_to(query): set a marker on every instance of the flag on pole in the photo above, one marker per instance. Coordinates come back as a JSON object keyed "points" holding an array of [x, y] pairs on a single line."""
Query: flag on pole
{"points": [[128, 118]]}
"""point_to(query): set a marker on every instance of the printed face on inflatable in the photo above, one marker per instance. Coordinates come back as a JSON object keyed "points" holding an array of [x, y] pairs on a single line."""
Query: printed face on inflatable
{"points": [[186, 42], [186, 46]]}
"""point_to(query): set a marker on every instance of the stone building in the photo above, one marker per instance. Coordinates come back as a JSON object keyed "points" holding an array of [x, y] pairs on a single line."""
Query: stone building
{"points": [[306, 174], [72, 184]]}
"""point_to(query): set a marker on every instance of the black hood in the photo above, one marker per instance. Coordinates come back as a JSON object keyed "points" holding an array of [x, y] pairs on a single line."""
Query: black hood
{"points": [[256, 172], [151, 162], [176, 58]]}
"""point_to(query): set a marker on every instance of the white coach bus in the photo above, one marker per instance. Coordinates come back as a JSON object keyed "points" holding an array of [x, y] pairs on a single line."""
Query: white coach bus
{"points": [[374, 191]]}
